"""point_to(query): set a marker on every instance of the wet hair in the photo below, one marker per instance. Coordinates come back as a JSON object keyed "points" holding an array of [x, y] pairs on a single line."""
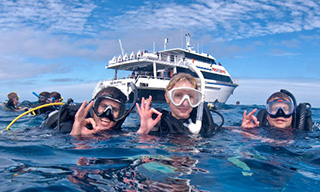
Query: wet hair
{"points": [[56, 95], [114, 93], [12, 95], [182, 77], [44, 96], [278, 95]]}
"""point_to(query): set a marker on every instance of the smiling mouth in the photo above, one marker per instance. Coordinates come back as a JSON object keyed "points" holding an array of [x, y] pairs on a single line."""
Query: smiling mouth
{"points": [[183, 109], [105, 120], [280, 120]]}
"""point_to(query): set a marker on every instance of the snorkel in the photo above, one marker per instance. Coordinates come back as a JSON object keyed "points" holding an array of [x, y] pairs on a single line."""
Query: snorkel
{"points": [[195, 128]]}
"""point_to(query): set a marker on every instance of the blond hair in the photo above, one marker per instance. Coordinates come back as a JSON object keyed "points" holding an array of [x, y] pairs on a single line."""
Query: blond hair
{"points": [[182, 77]]}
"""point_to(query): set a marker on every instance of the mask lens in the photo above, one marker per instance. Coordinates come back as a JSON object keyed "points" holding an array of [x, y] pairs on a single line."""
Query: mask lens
{"points": [[274, 106], [110, 108], [178, 95]]}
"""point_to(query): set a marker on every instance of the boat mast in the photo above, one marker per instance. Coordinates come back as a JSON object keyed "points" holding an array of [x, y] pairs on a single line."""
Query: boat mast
{"points": [[188, 47], [166, 41], [122, 51]]}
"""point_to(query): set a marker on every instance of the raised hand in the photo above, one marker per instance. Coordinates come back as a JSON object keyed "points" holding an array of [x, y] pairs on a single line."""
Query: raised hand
{"points": [[80, 121], [250, 121], [145, 113]]}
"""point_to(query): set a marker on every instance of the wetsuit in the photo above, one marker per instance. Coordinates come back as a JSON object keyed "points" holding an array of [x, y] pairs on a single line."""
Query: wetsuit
{"points": [[63, 119], [10, 105], [169, 124], [44, 110]]}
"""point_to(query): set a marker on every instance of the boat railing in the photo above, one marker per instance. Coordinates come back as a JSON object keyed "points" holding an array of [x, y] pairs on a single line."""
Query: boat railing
{"points": [[142, 77], [235, 80], [152, 77]]}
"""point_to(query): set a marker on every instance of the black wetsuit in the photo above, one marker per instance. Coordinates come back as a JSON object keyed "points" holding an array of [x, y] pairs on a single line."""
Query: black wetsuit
{"points": [[302, 117], [44, 110], [169, 124], [10, 105], [63, 119]]}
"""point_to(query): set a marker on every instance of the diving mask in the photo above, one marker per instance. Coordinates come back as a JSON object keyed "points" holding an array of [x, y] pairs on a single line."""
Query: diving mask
{"points": [[179, 94], [280, 108], [109, 107]]}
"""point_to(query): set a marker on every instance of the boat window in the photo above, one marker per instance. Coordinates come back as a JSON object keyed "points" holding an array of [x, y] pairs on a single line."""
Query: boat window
{"points": [[172, 58], [199, 58], [206, 75]]}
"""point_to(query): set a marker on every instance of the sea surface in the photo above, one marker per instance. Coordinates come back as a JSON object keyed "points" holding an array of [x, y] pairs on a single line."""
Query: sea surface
{"points": [[35, 159]]}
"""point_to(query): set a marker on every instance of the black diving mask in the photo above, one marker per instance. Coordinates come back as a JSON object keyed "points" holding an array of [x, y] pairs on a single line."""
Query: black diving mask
{"points": [[280, 108], [109, 107]]}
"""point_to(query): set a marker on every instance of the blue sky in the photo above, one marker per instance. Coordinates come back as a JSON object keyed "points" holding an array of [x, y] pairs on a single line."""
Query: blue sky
{"points": [[64, 46]]}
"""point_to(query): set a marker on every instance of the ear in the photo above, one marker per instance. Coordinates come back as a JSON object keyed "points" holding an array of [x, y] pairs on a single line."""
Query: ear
{"points": [[167, 98], [268, 117]]}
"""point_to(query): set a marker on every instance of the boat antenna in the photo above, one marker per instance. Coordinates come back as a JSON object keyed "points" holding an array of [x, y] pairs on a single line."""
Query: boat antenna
{"points": [[188, 47], [166, 41], [122, 52]]}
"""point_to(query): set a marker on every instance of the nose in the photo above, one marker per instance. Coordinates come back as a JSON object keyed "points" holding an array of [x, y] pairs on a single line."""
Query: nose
{"points": [[185, 102]]}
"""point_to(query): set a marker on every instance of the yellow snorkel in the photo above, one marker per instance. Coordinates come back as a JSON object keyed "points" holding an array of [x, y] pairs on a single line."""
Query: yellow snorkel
{"points": [[32, 110]]}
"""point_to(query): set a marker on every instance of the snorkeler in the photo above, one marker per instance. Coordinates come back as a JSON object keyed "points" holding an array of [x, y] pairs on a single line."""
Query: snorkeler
{"points": [[108, 109], [44, 98], [13, 103], [183, 97], [281, 112], [56, 97], [105, 112]]}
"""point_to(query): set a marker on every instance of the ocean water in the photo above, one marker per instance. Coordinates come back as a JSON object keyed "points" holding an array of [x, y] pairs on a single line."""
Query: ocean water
{"points": [[34, 159]]}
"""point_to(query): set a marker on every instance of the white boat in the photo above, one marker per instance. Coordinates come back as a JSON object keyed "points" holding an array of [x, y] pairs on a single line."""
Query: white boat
{"points": [[151, 73]]}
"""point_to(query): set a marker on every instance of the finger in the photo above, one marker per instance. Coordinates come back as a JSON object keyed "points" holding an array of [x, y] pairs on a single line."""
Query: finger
{"points": [[80, 110], [142, 103], [153, 110], [244, 114], [148, 102], [138, 107], [83, 105], [92, 122], [255, 120], [89, 106], [158, 119], [252, 112]]}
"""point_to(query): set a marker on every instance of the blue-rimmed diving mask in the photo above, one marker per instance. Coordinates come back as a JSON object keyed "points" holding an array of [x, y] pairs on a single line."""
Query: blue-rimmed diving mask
{"points": [[280, 108]]}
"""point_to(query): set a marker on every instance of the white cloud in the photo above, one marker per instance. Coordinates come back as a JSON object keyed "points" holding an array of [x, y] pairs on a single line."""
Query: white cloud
{"points": [[231, 19], [55, 15]]}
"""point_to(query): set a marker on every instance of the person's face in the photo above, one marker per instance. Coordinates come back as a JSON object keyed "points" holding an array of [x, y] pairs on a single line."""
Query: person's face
{"points": [[182, 111], [280, 122], [15, 101], [104, 123]]}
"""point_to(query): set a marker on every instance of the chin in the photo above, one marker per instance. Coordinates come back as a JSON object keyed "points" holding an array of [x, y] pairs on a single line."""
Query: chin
{"points": [[184, 116]]}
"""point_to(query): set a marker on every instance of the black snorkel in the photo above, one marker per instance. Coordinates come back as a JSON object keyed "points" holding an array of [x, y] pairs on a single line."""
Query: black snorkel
{"points": [[134, 90]]}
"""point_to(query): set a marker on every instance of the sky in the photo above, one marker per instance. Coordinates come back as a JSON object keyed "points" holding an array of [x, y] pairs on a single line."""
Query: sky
{"points": [[64, 45]]}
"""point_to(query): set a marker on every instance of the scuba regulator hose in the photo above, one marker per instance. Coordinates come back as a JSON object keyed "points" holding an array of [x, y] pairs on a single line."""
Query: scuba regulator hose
{"points": [[31, 110]]}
